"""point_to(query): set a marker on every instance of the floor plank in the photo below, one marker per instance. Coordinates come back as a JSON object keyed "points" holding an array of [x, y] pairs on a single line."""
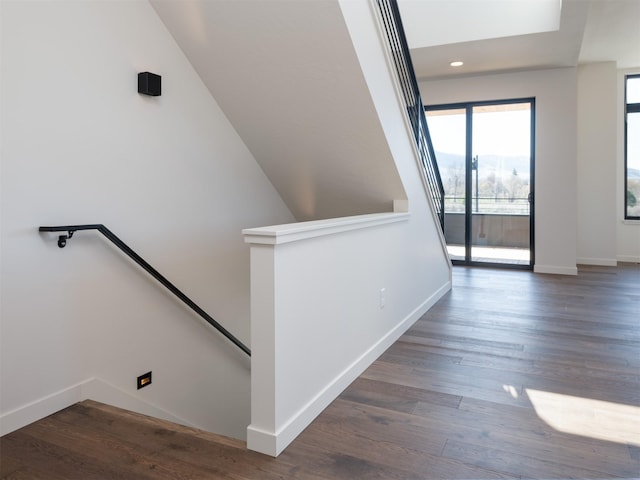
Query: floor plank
{"points": [[510, 375]]}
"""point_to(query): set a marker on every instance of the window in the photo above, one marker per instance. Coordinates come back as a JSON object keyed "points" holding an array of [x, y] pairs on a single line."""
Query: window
{"points": [[485, 155], [632, 148]]}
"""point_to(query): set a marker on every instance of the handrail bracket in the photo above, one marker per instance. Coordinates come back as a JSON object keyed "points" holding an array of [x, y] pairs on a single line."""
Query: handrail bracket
{"points": [[62, 239]]}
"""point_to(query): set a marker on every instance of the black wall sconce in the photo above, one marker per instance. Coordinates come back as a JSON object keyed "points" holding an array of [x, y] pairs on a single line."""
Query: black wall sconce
{"points": [[149, 84]]}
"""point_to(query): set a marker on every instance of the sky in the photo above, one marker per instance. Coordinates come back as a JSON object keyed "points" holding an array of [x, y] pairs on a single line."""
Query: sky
{"points": [[505, 133]]}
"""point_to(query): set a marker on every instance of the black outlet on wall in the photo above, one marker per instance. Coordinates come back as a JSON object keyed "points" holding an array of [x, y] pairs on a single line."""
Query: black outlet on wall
{"points": [[144, 380]]}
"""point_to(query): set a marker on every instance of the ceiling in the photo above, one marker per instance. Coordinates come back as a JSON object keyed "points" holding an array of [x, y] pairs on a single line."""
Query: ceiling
{"points": [[492, 36]]}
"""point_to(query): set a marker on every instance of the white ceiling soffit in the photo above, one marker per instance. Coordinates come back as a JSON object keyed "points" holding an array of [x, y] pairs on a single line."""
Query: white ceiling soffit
{"points": [[287, 76], [525, 51], [429, 23]]}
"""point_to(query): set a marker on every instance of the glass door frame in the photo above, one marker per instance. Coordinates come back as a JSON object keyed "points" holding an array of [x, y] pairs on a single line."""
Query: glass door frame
{"points": [[468, 108]]}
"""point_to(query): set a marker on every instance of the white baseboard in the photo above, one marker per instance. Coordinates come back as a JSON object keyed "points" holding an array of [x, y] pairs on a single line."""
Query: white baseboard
{"points": [[629, 258], [92, 388], [555, 270], [104, 392], [604, 262], [38, 409], [273, 443]]}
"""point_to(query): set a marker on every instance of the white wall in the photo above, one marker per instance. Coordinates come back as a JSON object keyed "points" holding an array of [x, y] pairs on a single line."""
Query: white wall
{"points": [[628, 232], [597, 172], [328, 298], [167, 174], [317, 320], [555, 157]]}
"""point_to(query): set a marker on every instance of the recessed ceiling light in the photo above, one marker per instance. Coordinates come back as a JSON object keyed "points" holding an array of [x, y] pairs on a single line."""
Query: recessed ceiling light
{"points": [[457, 63]]}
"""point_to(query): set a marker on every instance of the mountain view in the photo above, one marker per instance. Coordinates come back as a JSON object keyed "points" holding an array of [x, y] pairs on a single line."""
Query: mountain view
{"points": [[503, 183]]}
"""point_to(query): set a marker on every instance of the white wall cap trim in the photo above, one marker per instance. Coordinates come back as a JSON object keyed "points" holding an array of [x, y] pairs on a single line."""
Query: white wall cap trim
{"points": [[293, 232]]}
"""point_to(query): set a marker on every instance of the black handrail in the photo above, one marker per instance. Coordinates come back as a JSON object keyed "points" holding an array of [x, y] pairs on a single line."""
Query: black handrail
{"points": [[390, 15], [71, 229]]}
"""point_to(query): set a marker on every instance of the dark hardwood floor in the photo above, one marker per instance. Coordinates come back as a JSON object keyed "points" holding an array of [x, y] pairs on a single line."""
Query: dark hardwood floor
{"points": [[510, 375]]}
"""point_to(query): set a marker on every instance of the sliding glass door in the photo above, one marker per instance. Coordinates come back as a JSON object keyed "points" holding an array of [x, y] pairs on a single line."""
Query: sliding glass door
{"points": [[485, 155]]}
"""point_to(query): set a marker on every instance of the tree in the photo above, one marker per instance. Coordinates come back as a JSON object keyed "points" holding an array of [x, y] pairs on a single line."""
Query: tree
{"points": [[515, 185]]}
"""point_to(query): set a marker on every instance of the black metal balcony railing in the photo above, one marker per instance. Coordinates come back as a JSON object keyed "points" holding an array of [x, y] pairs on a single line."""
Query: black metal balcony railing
{"points": [[489, 205], [390, 15], [71, 229]]}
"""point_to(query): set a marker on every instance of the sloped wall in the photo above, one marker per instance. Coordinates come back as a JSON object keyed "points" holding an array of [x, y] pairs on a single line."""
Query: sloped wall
{"points": [[169, 174], [287, 76]]}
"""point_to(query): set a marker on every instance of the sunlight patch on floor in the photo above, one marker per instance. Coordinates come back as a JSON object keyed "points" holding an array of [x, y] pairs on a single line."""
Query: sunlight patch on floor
{"points": [[511, 390], [613, 422]]}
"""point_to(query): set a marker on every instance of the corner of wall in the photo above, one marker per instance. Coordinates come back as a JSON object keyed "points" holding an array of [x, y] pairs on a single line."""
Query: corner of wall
{"points": [[35, 410], [555, 270], [93, 389], [401, 206]]}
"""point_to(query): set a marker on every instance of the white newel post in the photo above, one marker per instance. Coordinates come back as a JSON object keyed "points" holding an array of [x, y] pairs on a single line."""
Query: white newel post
{"points": [[261, 434]]}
